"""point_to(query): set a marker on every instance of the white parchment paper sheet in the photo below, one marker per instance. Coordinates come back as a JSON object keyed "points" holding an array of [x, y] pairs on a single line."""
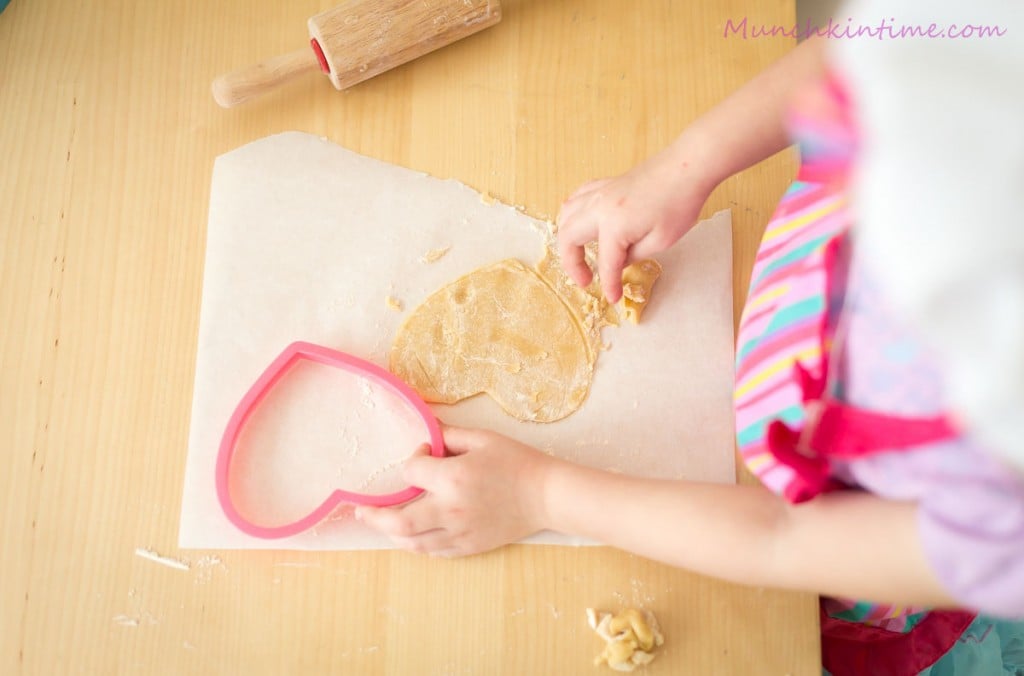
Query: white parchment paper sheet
{"points": [[306, 240]]}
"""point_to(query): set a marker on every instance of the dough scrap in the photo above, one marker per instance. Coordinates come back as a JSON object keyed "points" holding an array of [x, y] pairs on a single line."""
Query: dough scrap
{"points": [[637, 281], [630, 637], [500, 330]]}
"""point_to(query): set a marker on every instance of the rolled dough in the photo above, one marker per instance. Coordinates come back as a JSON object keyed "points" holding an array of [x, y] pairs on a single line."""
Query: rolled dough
{"points": [[503, 331], [526, 337]]}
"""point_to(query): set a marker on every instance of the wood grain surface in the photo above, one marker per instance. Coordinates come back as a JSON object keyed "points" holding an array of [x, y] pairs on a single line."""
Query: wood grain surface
{"points": [[107, 137]]}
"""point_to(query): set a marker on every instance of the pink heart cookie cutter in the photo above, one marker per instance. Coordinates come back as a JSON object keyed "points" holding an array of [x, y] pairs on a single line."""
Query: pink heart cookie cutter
{"points": [[270, 377]]}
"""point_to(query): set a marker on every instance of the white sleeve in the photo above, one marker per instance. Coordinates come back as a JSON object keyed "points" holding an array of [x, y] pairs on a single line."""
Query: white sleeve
{"points": [[939, 195]]}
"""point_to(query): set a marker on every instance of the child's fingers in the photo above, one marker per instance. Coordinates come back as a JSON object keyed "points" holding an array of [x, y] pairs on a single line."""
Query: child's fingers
{"points": [[647, 247], [459, 440], [570, 250], [574, 263], [423, 471], [656, 241], [437, 540], [423, 449], [611, 258], [419, 516], [574, 231]]}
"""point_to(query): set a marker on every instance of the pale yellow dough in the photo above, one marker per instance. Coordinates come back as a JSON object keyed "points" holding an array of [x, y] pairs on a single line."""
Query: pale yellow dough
{"points": [[637, 281], [527, 337], [630, 638], [503, 331]]}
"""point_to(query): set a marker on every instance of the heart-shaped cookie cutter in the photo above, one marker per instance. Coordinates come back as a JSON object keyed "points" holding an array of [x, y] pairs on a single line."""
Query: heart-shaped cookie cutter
{"points": [[278, 369]]}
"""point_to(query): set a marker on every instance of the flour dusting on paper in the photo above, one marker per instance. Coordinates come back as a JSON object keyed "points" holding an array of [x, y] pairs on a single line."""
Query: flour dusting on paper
{"points": [[318, 418]]}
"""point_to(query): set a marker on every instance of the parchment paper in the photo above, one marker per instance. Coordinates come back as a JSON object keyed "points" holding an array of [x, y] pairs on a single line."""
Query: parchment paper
{"points": [[306, 240]]}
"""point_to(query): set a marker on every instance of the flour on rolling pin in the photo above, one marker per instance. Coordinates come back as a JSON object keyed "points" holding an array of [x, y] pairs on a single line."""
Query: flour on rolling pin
{"points": [[362, 38]]}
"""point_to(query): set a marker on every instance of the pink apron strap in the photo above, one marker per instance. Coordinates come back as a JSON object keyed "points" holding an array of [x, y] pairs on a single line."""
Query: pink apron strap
{"points": [[847, 432], [832, 429]]}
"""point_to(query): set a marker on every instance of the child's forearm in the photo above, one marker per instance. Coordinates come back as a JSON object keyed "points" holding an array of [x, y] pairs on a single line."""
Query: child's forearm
{"points": [[749, 125], [683, 523], [845, 544]]}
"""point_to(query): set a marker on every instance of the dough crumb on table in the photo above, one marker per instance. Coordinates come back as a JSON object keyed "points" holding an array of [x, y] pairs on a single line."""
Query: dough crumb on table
{"points": [[630, 637], [393, 303]]}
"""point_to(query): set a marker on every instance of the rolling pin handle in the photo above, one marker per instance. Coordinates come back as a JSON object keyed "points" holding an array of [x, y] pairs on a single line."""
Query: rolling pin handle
{"points": [[250, 82]]}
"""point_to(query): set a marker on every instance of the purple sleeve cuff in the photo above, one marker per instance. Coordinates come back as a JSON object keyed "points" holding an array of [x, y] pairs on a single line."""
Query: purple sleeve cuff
{"points": [[973, 537]]}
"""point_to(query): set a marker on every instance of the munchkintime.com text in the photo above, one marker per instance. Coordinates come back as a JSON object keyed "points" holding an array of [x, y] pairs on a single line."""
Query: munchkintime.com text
{"points": [[886, 29]]}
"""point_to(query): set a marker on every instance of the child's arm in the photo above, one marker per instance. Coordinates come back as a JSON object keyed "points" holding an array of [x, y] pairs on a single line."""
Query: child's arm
{"points": [[647, 209], [495, 490], [851, 544]]}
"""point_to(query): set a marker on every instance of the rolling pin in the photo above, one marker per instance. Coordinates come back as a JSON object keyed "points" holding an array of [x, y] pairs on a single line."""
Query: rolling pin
{"points": [[362, 38]]}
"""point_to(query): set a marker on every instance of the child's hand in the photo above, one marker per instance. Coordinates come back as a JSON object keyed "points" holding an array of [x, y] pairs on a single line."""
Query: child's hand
{"points": [[485, 495], [632, 216]]}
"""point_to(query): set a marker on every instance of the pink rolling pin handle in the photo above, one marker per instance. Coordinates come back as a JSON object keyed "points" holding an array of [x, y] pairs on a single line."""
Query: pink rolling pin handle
{"points": [[266, 382]]}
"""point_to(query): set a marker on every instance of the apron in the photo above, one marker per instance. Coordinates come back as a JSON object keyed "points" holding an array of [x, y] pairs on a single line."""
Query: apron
{"points": [[792, 423]]}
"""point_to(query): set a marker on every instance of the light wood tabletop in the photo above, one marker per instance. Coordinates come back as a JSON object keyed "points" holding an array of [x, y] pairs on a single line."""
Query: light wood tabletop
{"points": [[108, 134]]}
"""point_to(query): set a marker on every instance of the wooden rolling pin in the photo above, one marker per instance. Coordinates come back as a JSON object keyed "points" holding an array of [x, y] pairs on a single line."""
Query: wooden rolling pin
{"points": [[361, 38]]}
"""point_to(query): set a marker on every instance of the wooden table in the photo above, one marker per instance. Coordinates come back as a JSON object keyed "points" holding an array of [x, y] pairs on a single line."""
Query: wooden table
{"points": [[108, 134]]}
